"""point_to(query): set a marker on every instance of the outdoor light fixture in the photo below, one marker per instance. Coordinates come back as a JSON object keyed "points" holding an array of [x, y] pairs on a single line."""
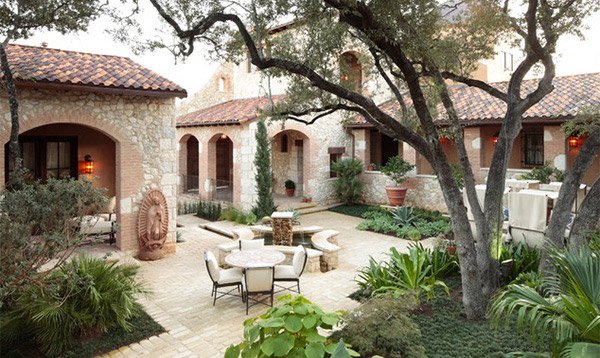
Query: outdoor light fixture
{"points": [[573, 141], [444, 140], [88, 164], [223, 136], [345, 77], [495, 138]]}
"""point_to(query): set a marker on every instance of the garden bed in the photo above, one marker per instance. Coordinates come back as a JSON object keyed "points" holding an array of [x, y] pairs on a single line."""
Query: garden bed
{"points": [[407, 223], [357, 210]]}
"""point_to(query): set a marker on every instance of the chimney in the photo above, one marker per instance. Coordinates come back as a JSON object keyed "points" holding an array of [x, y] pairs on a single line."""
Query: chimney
{"points": [[44, 44]]}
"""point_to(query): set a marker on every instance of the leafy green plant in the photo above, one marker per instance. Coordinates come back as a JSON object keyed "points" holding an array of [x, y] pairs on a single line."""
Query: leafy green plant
{"points": [[289, 184], [209, 210], [382, 326], [404, 216], [84, 297], [348, 188], [442, 263], [238, 216], [396, 169], [457, 175], [291, 329], [566, 304], [545, 174], [524, 259]]}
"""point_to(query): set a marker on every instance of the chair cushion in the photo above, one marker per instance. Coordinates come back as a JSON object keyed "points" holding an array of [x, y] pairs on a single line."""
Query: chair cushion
{"points": [[259, 279], [232, 275], [285, 271], [213, 266], [299, 260], [256, 244]]}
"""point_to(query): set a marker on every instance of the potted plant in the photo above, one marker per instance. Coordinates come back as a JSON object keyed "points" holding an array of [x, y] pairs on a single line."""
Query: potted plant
{"points": [[396, 169], [290, 187], [371, 167], [306, 199]]}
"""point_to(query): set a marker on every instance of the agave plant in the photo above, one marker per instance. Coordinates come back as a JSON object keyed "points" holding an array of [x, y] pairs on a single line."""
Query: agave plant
{"points": [[565, 304], [404, 216]]}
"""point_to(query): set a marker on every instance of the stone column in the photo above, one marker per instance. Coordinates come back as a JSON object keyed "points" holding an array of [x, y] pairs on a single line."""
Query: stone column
{"points": [[282, 228], [361, 146], [555, 148]]}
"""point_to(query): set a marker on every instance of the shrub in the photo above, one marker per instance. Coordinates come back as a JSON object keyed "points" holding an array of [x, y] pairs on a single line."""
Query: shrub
{"points": [[209, 210], [264, 175], [442, 263], [238, 216], [396, 169], [404, 216], [39, 225], [382, 326], [457, 175], [289, 184], [348, 188], [524, 259], [406, 222], [545, 174], [290, 329], [84, 297]]}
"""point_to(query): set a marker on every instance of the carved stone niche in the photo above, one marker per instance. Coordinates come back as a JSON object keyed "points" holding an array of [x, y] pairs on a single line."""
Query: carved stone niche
{"points": [[153, 225]]}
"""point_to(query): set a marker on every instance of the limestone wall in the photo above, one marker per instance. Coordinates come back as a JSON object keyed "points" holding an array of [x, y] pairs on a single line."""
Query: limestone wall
{"points": [[143, 130]]}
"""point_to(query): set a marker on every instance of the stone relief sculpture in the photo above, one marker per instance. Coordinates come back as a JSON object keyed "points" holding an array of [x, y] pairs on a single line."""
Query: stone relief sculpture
{"points": [[153, 225]]}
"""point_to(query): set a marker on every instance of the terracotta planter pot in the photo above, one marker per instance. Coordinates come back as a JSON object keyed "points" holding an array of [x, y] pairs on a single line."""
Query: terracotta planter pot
{"points": [[290, 192], [451, 250], [370, 168], [396, 195]]}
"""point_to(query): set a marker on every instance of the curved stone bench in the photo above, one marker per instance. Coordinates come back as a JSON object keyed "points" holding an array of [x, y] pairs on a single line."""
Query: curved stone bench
{"points": [[326, 241], [313, 263]]}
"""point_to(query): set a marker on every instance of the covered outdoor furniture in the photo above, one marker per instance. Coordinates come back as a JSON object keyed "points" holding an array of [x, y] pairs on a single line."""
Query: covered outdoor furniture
{"points": [[528, 217], [98, 226], [480, 191], [519, 184], [109, 212], [258, 281], [222, 277], [255, 244], [292, 273]]}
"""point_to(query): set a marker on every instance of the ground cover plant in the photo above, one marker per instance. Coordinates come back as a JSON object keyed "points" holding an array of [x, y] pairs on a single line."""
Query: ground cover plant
{"points": [[83, 298], [291, 329], [209, 210], [407, 223], [238, 216]]}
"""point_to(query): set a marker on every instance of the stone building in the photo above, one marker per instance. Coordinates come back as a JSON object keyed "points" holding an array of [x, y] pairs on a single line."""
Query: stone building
{"points": [[108, 108]]}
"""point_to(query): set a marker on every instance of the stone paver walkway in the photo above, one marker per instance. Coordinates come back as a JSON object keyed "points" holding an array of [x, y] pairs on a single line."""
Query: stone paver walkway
{"points": [[181, 288]]}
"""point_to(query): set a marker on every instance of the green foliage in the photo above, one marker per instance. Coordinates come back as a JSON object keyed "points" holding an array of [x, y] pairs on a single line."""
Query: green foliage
{"points": [[352, 210], [585, 122], [404, 272], [238, 216], [524, 259], [566, 304], [83, 297], [382, 326], [209, 210], [290, 329], [289, 184], [264, 175], [348, 188], [545, 174], [406, 222], [396, 169], [594, 240], [458, 176], [40, 223], [442, 263], [404, 216]]}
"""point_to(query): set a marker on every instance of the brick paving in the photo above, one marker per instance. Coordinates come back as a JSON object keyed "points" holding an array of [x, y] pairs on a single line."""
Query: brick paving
{"points": [[181, 300]]}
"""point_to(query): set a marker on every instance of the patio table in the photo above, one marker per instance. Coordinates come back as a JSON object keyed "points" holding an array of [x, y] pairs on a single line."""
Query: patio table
{"points": [[254, 258], [522, 184]]}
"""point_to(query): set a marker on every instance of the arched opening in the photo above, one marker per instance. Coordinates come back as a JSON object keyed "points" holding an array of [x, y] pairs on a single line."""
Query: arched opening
{"points": [[290, 164], [189, 164], [350, 71], [223, 173], [60, 151]]}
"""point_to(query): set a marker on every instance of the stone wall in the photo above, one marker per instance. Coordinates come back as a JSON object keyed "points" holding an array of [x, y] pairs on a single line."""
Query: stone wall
{"points": [[211, 94], [143, 130]]}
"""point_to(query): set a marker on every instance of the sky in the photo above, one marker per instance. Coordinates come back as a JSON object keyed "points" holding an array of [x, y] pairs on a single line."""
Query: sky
{"points": [[574, 56]]}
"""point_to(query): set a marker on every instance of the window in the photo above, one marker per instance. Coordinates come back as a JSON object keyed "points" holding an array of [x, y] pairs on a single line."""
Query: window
{"points": [[350, 71], [533, 148], [381, 148], [47, 157], [335, 154], [221, 84], [284, 143]]}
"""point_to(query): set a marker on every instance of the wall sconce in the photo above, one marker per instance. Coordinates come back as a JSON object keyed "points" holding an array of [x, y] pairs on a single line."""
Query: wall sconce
{"points": [[223, 136], [88, 164], [573, 141], [345, 77], [495, 138]]}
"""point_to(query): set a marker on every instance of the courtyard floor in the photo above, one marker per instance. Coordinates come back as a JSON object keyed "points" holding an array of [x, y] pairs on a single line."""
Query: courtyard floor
{"points": [[181, 300]]}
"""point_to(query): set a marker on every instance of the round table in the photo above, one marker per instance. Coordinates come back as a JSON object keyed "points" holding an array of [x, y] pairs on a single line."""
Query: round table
{"points": [[254, 258]]}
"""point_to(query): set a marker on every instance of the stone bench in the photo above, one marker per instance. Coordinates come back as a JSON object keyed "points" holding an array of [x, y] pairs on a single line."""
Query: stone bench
{"points": [[313, 263], [326, 241], [265, 229]]}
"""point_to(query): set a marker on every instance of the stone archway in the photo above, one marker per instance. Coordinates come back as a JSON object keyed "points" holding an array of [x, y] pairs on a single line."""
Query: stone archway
{"points": [[220, 167], [189, 150]]}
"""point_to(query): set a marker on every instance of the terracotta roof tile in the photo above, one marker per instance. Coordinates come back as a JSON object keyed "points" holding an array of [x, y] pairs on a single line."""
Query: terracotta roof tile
{"points": [[38, 66], [231, 112], [474, 106]]}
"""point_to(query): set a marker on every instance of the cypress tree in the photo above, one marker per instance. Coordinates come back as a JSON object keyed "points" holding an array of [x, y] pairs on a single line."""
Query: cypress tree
{"points": [[264, 176]]}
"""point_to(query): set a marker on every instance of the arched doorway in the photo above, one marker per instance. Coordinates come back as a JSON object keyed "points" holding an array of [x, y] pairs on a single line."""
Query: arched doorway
{"points": [[290, 157], [59, 151], [188, 164], [223, 168]]}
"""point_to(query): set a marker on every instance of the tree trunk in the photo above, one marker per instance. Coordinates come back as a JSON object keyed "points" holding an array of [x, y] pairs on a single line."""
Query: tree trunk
{"points": [[588, 217], [16, 177]]}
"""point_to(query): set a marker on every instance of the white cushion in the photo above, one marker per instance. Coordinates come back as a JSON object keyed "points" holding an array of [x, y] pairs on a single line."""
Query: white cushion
{"points": [[299, 259], [285, 271], [232, 275], [252, 244], [95, 226], [259, 279], [213, 266]]}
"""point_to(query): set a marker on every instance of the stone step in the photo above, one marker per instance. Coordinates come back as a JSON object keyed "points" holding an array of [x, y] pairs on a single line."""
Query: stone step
{"points": [[316, 209]]}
